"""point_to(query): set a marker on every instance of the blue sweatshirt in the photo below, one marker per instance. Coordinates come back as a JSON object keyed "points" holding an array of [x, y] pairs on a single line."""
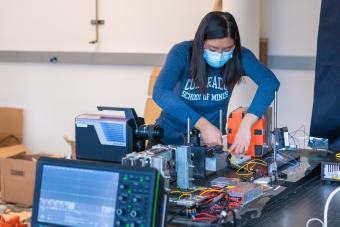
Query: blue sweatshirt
{"points": [[180, 99]]}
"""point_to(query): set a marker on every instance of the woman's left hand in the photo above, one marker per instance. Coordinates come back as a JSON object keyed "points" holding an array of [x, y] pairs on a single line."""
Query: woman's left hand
{"points": [[243, 136]]}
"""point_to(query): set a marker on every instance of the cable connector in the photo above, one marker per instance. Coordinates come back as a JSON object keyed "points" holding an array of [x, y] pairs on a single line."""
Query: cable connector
{"points": [[224, 213]]}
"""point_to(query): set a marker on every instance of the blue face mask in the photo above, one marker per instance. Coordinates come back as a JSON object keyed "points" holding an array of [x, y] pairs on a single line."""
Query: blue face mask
{"points": [[217, 59]]}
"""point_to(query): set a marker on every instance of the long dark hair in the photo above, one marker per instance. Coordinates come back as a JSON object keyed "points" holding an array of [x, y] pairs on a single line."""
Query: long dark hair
{"points": [[215, 25]]}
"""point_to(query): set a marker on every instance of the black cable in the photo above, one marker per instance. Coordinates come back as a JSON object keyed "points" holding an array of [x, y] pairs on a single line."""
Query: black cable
{"points": [[175, 215], [221, 219], [234, 217], [226, 208]]}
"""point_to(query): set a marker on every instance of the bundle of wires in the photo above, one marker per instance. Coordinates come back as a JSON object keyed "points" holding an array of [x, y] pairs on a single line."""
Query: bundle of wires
{"points": [[187, 193], [211, 208], [295, 138], [208, 193], [214, 208], [254, 168]]}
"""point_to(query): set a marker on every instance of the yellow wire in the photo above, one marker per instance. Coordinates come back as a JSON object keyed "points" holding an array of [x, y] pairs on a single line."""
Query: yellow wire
{"points": [[173, 192], [259, 160], [206, 190], [244, 174], [210, 190], [188, 192], [234, 163], [246, 167], [337, 155], [197, 189], [183, 195], [254, 161]]}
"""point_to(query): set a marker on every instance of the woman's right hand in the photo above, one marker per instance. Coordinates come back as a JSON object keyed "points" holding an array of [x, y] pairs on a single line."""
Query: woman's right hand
{"points": [[211, 135]]}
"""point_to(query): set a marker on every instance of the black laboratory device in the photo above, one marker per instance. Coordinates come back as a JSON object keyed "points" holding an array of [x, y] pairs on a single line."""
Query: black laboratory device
{"points": [[109, 138], [199, 153], [281, 137], [330, 169], [85, 193]]}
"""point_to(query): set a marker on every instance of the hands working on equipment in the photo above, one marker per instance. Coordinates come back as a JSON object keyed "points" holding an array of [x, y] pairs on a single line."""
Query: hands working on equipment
{"points": [[243, 136], [212, 136]]}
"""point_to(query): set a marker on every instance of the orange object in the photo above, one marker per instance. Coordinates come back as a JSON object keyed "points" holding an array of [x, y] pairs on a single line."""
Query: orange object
{"points": [[258, 145], [152, 110], [12, 222]]}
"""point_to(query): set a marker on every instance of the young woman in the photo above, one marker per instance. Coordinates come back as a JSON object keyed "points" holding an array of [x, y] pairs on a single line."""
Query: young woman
{"points": [[198, 78]]}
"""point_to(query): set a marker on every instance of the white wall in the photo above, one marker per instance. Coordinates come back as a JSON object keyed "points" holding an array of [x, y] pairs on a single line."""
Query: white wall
{"points": [[52, 95], [247, 16], [295, 101], [291, 28], [150, 26]]}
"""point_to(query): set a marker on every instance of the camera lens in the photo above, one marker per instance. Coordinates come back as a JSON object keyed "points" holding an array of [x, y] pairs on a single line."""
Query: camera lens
{"points": [[150, 132]]}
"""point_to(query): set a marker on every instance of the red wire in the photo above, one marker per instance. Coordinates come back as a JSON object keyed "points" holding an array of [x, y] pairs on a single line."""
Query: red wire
{"points": [[205, 213], [204, 219]]}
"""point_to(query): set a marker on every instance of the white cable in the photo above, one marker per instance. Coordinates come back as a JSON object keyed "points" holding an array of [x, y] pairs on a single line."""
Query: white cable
{"points": [[325, 211], [313, 219]]}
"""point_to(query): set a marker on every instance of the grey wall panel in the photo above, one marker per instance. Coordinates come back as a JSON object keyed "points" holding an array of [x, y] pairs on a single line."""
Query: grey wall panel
{"points": [[274, 62], [83, 58]]}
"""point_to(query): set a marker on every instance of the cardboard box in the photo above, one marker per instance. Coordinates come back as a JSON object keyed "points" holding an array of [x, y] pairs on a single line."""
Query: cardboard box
{"points": [[6, 152], [11, 130], [17, 163], [18, 178], [11, 126]]}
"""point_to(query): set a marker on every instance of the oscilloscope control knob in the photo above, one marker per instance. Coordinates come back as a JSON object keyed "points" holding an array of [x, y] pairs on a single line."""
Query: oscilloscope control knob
{"points": [[119, 212], [133, 213], [121, 198], [122, 186]]}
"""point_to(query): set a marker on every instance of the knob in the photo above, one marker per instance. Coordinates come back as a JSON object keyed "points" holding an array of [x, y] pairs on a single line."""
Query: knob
{"points": [[122, 186], [133, 225], [121, 198], [119, 212], [119, 223], [135, 200], [133, 213]]}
